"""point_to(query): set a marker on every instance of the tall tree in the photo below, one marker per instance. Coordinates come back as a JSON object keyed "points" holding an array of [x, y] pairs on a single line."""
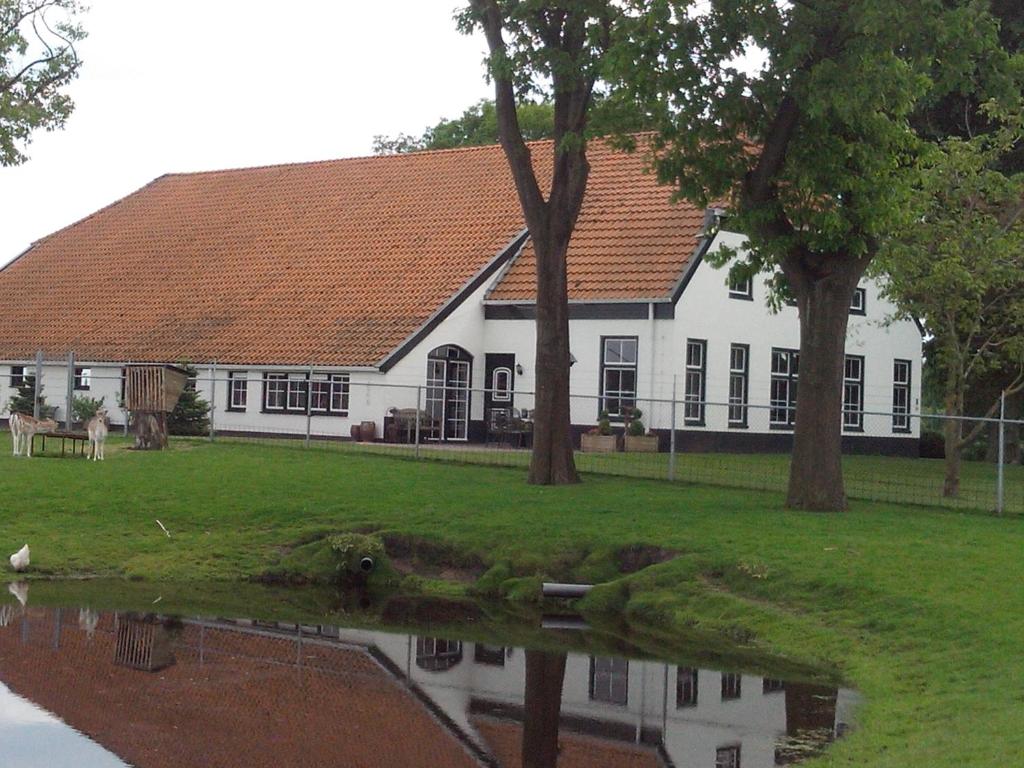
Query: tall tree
{"points": [[555, 47], [810, 145], [37, 60], [958, 265]]}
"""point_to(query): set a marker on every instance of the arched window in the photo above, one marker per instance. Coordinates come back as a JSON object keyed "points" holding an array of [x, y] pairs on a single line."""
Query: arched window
{"points": [[501, 385]]}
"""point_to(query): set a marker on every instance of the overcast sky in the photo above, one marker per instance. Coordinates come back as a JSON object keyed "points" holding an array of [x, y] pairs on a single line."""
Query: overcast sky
{"points": [[186, 85]]}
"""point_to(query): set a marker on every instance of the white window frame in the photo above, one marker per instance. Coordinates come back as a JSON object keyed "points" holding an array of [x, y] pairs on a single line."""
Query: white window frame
{"points": [[788, 375], [83, 379], [739, 385], [238, 383], [901, 386], [853, 393], [623, 398], [278, 384], [743, 289], [859, 302], [501, 393], [695, 382]]}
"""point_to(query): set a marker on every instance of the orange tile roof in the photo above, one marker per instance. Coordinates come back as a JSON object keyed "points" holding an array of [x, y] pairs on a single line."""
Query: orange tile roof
{"points": [[334, 263]]}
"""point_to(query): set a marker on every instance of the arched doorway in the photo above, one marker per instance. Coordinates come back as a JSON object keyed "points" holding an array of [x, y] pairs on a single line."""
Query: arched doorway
{"points": [[449, 369]]}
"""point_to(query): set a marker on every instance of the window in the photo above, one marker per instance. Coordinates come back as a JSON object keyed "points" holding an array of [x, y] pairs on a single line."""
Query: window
{"points": [[727, 757], [83, 378], [19, 378], [901, 395], [238, 390], [741, 288], [618, 374], [732, 685], [686, 687], [739, 384], [609, 680], [696, 370], [275, 391], [772, 685], [859, 302], [782, 398], [501, 385], [853, 393], [327, 393], [436, 654], [491, 655]]}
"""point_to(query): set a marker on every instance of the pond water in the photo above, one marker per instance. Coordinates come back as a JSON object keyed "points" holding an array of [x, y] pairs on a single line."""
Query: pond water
{"points": [[88, 688]]}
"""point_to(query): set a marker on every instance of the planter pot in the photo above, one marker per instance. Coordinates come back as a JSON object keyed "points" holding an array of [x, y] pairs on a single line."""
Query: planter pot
{"points": [[641, 443], [599, 443], [368, 431]]}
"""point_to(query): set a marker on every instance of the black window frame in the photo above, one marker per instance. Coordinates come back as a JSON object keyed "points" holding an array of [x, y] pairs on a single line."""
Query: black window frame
{"points": [[687, 687], [19, 377], [623, 402], [862, 294], [792, 379], [238, 378], [738, 410], [897, 387], [732, 686], [297, 391], [83, 378], [598, 693], [728, 756], [489, 655], [744, 290], [853, 406], [771, 685], [695, 402]]}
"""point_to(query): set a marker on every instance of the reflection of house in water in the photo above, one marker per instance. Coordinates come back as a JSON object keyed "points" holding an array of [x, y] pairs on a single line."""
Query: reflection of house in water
{"points": [[242, 693]]}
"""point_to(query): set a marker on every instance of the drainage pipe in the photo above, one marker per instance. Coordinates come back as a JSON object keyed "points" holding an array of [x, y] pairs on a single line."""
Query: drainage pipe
{"points": [[555, 589]]}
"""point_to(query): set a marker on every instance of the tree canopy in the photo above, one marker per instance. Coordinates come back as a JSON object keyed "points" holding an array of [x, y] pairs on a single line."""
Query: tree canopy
{"points": [[37, 60], [478, 126]]}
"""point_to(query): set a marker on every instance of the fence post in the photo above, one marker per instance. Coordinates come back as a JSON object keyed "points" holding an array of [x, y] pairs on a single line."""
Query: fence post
{"points": [[309, 403], [124, 410], [37, 384], [419, 392], [1000, 488], [672, 435], [70, 392], [213, 398]]}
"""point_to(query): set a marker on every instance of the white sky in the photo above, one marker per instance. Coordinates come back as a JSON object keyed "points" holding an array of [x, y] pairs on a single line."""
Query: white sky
{"points": [[186, 85]]}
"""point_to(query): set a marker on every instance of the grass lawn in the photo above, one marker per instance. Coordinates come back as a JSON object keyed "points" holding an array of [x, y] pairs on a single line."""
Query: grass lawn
{"points": [[873, 478], [921, 609]]}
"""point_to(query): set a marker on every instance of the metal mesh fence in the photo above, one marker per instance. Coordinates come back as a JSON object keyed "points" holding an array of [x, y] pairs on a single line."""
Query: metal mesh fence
{"points": [[894, 456]]}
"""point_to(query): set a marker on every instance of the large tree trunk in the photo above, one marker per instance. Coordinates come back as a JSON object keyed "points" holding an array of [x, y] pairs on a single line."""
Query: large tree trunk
{"points": [[816, 468], [552, 461], [952, 430], [545, 674]]}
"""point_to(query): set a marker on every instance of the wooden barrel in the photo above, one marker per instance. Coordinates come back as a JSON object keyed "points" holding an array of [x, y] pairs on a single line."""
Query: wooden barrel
{"points": [[368, 431]]}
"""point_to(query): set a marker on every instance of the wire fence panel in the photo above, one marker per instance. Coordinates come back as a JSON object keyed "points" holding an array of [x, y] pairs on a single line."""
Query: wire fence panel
{"points": [[895, 456]]}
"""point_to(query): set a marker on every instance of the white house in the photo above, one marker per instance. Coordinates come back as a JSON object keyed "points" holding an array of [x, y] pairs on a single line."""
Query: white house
{"points": [[403, 279]]}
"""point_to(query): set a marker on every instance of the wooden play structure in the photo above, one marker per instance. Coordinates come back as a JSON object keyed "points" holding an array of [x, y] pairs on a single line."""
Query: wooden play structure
{"points": [[150, 393]]}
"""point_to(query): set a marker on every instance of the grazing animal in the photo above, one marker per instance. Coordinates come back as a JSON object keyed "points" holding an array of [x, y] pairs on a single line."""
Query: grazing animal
{"points": [[20, 559], [24, 428], [97, 429]]}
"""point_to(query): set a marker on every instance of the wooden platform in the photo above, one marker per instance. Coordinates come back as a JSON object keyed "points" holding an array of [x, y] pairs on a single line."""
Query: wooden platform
{"points": [[77, 439]]}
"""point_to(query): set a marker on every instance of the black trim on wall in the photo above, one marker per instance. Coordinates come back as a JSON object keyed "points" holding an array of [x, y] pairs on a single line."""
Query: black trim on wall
{"points": [[453, 303], [620, 310]]}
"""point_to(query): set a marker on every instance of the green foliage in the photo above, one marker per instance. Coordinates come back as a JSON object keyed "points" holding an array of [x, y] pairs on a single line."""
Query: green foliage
{"points": [[191, 414], [478, 126], [958, 264], [37, 61], [604, 424], [634, 426], [23, 399], [810, 145], [84, 407]]}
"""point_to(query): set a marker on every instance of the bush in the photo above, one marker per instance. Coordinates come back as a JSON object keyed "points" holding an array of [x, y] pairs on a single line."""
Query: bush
{"points": [[191, 416], [23, 400], [604, 424], [84, 407], [634, 426], [933, 445]]}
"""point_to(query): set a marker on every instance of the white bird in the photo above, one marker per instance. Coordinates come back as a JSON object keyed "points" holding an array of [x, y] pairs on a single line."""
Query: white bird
{"points": [[20, 590], [20, 559]]}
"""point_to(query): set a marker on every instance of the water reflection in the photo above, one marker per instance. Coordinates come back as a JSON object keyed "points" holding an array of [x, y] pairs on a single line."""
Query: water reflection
{"points": [[152, 691]]}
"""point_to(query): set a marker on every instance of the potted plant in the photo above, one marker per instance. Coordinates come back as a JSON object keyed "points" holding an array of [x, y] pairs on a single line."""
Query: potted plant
{"points": [[637, 439], [600, 439]]}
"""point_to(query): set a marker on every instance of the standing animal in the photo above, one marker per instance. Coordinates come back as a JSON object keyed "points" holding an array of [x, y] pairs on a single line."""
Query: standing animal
{"points": [[24, 428], [20, 560], [97, 429]]}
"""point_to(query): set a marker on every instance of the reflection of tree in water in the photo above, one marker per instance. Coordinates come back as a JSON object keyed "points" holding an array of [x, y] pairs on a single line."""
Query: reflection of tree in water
{"points": [[545, 674], [810, 722], [145, 642]]}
